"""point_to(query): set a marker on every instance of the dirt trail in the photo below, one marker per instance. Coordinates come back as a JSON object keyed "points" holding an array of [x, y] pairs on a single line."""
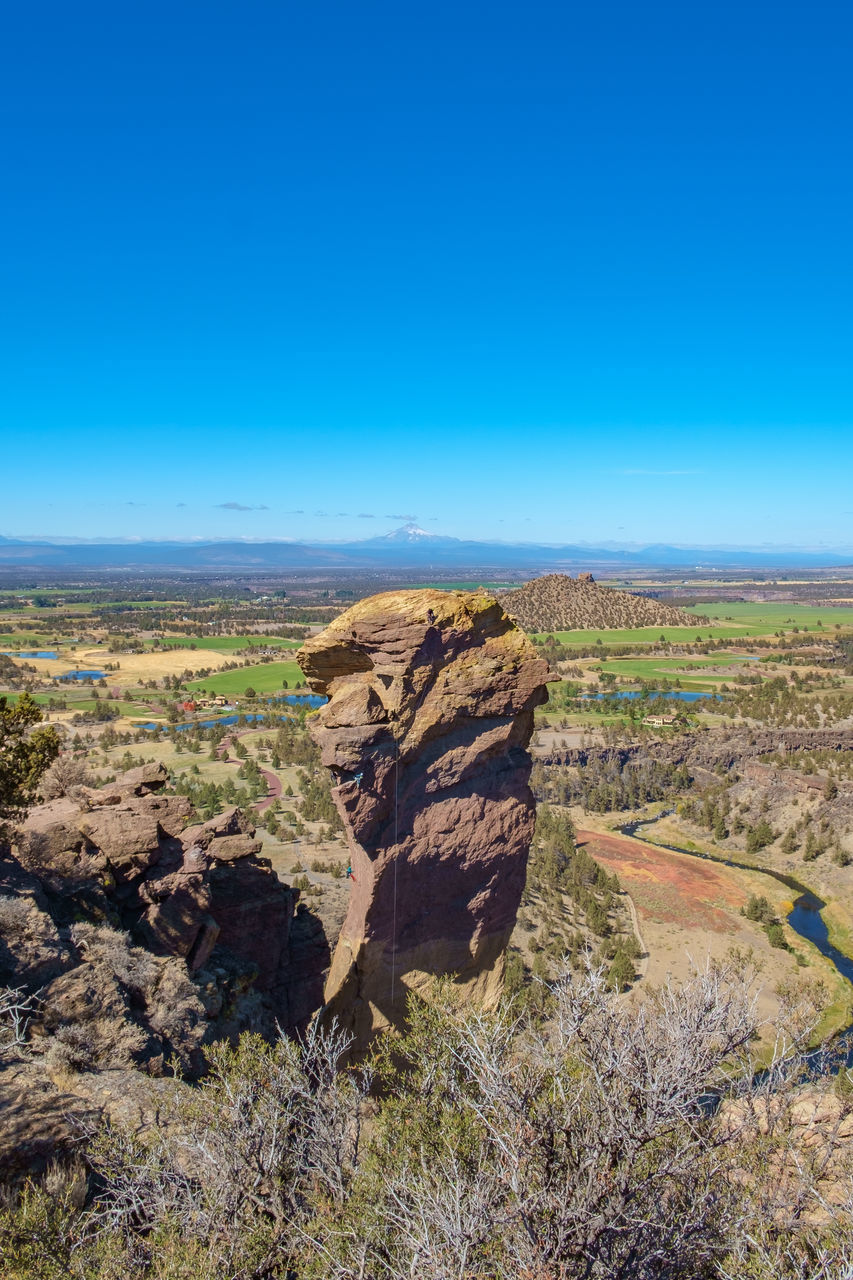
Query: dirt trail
{"points": [[274, 790]]}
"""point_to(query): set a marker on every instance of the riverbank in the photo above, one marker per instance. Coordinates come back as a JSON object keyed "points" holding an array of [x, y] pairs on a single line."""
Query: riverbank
{"points": [[814, 927], [690, 910]]}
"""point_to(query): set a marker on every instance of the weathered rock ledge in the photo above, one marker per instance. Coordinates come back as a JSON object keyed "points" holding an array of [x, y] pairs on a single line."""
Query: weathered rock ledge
{"points": [[209, 920], [137, 939]]}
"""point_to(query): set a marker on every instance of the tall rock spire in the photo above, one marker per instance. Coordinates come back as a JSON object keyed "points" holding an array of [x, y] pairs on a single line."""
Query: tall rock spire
{"points": [[430, 712]]}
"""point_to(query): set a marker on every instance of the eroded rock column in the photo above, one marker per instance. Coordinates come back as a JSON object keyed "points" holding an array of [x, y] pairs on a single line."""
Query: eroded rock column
{"points": [[430, 713]]}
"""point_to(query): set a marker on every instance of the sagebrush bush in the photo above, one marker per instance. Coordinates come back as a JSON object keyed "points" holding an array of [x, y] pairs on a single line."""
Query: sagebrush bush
{"points": [[134, 967], [64, 776], [485, 1145], [14, 916]]}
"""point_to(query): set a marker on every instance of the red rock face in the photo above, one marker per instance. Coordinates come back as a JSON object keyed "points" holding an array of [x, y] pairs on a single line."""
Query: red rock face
{"points": [[181, 889], [430, 712]]}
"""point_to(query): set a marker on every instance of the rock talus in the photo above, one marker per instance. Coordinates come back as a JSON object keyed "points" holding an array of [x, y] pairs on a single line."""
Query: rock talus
{"points": [[430, 712]]}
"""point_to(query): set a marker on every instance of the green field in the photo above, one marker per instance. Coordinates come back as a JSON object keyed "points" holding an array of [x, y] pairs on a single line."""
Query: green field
{"points": [[227, 644], [645, 635], [773, 616], [689, 671], [74, 704], [731, 621], [269, 677], [27, 640]]}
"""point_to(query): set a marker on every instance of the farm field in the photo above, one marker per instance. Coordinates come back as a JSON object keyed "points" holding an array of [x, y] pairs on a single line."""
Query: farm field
{"points": [[646, 635], [267, 677], [776, 614], [27, 640], [228, 644], [756, 622], [689, 671], [132, 668]]}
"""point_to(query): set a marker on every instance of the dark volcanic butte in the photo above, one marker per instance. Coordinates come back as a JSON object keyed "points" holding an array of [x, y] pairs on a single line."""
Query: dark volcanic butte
{"points": [[430, 712]]}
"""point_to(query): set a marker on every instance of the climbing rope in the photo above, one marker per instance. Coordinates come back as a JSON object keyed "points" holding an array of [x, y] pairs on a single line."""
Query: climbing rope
{"points": [[394, 914]]}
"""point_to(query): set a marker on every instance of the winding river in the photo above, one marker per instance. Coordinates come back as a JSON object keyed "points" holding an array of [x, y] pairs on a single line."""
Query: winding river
{"points": [[805, 916]]}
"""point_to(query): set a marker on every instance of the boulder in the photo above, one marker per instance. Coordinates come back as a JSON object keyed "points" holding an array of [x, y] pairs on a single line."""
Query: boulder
{"points": [[430, 712], [126, 839], [141, 781], [232, 848], [231, 822], [41, 1123]]}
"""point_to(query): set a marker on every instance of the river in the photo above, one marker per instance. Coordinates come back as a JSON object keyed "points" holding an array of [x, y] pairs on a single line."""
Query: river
{"points": [[804, 917]]}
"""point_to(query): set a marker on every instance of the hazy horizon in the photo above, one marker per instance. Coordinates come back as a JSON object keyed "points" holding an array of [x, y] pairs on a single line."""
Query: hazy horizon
{"points": [[603, 544]]}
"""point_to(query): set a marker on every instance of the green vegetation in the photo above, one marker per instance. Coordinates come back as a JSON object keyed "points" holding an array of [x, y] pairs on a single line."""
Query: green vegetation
{"points": [[607, 785], [760, 910], [227, 644], [772, 615], [25, 753], [497, 1147], [269, 677]]}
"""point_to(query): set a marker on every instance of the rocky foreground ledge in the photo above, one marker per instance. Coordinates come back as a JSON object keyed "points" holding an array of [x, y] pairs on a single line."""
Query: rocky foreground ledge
{"points": [[134, 937], [430, 712]]}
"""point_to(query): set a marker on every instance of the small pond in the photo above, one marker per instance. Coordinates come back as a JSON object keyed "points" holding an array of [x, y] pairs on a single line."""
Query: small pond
{"points": [[30, 653], [295, 699], [313, 700], [632, 695], [82, 675]]}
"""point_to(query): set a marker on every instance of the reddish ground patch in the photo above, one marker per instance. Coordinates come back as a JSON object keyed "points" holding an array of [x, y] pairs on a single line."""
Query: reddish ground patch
{"points": [[667, 887]]}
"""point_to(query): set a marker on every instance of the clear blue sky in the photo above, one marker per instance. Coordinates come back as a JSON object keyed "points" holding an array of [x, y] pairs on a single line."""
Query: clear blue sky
{"points": [[530, 271]]}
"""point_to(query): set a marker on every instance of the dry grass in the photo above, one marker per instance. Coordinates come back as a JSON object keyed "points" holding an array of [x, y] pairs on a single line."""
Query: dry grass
{"points": [[134, 667], [689, 910]]}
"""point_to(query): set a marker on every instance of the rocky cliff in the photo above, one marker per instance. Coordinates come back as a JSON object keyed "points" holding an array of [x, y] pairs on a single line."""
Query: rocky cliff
{"points": [[430, 712], [144, 936]]}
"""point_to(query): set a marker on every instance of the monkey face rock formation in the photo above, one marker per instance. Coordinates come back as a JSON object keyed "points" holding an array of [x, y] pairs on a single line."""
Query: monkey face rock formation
{"points": [[430, 711]]}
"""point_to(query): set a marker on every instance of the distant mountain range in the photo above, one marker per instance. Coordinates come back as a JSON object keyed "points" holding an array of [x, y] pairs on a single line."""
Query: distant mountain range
{"points": [[407, 547]]}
